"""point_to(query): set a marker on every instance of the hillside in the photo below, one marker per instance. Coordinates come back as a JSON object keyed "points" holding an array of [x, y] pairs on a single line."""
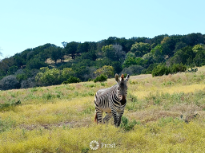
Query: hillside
{"points": [[166, 114], [49, 64]]}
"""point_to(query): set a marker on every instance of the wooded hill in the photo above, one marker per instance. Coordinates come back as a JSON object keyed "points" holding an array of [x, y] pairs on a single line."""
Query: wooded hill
{"points": [[74, 62]]}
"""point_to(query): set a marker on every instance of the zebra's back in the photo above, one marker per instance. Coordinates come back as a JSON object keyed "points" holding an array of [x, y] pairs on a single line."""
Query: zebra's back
{"points": [[102, 97]]}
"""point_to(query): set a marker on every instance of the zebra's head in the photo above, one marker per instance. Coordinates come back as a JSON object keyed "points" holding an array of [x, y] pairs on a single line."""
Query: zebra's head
{"points": [[122, 85]]}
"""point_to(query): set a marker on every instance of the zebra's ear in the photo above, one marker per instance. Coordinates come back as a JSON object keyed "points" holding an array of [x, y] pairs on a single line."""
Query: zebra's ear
{"points": [[127, 78], [116, 77]]}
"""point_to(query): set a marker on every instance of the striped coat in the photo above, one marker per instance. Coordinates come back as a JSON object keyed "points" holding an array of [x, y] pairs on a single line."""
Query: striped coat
{"points": [[112, 101]]}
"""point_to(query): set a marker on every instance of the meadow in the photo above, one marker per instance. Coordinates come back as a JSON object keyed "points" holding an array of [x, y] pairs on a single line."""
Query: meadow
{"points": [[163, 114]]}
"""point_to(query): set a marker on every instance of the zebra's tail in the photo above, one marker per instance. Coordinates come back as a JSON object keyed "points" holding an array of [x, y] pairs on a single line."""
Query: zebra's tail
{"points": [[96, 117]]}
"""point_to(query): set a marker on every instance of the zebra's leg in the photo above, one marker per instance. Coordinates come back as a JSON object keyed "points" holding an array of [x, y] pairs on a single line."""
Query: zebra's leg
{"points": [[99, 115], [119, 118], [107, 117], [114, 114]]}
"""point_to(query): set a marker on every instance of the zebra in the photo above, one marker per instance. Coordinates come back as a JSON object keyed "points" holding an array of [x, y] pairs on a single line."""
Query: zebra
{"points": [[112, 101]]}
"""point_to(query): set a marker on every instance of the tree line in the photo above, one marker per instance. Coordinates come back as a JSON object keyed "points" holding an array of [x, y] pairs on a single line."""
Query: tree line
{"points": [[85, 61]]}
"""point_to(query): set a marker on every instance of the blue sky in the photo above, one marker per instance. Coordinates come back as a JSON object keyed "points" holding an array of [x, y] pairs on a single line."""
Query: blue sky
{"points": [[31, 23]]}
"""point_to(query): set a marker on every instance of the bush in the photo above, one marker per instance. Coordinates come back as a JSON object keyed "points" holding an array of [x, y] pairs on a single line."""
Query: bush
{"points": [[178, 68], [72, 80], [193, 70], [105, 70], [35, 63], [149, 69], [48, 76], [89, 79], [126, 125], [160, 70], [8, 105], [21, 77], [9, 82], [28, 83], [12, 70], [100, 78]]}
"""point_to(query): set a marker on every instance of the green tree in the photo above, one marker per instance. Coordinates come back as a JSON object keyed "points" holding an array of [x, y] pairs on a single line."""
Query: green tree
{"points": [[18, 60], [5, 64], [105, 70], [83, 47], [198, 47], [149, 58], [89, 55], [35, 63], [168, 45], [64, 44], [55, 53], [160, 70], [133, 70], [71, 49], [113, 52], [157, 54], [62, 54], [129, 61], [177, 68], [130, 55], [193, 39], [133, 61], [184, 56], [9, 82], [12, 70], [199, 59], [108, 51], [48, 76], [117, 65], [180, 45], [66, 73], [140, 48]]}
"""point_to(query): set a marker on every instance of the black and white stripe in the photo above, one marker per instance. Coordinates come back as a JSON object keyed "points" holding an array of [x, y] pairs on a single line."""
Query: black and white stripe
{"points": [[112, 101]]}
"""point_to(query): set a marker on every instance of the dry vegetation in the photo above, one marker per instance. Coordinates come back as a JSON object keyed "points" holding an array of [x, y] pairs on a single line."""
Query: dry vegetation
{"points": [[168, 110]]}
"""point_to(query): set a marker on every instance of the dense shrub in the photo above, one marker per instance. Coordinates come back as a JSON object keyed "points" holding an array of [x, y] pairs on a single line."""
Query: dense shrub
{"points": [[149, 69], [21, 77], [12, 70], [72, 80], [9, 82], [193, 70], [48, 76], [100, 78], [126, 125], [161, 69], [35, 63], [178, 68], [105, 70], [28, 83]]}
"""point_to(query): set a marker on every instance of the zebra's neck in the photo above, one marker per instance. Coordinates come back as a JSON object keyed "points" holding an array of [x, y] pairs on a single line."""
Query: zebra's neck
{"points": [[123, 101], [121, 98]]}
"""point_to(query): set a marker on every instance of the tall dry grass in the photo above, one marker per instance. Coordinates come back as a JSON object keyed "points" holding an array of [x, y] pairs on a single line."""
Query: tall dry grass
{"points": [[168, 110]]}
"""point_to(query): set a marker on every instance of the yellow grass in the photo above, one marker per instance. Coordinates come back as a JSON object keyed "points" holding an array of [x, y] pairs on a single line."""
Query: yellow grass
{"points": [[143, 92], [173, 137], [61, 118]]}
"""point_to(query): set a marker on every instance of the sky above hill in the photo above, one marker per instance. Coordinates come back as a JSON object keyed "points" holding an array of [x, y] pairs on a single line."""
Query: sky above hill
{"points": [[28, 24]]}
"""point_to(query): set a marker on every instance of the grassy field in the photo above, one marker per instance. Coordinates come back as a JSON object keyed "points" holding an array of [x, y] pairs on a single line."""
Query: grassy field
{"points": [[163, 114]]}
